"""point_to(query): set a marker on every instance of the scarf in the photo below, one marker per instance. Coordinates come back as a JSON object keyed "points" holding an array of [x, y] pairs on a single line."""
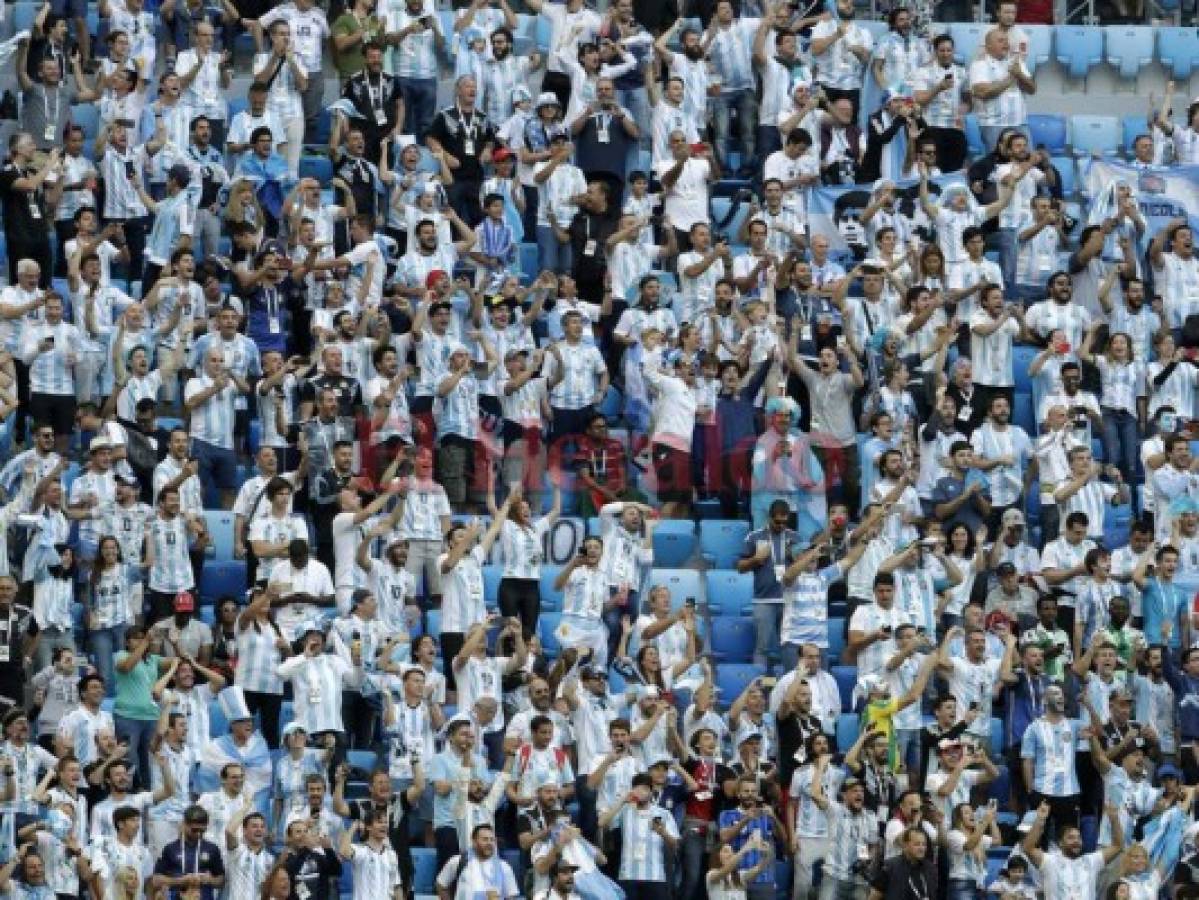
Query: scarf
{"points": [[255, 757]]}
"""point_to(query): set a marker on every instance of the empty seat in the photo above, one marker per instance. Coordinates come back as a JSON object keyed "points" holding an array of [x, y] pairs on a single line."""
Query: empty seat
{"points": [[847, 731], [1178, 51], [683, 584], [220, 529], [846, 677], [424, 869], [1128, 48], [1132, 127], [223, 578], [730, 593], [318, 167], [1048, 131], [836, 640], [1022, 357], [23, 15], [1040, 46], [1078, 48], [1094, 134], [721, 541], [967, 38], [491, 584], [974, 136], [732, 679], [733, 639], [1023, 413], [674, 542], [1066, 175], [87, 117]]}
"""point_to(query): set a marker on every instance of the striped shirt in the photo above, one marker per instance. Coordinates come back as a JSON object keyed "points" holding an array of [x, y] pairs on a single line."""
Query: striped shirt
{"points": [[500, 78], [1093, 499], [1037, 259], [416, 55], [424, 510], [457, 412], [394, 589], [273, 530], [942, 109], [1048, 316], [117, 169], [52, 371], [1133, 800], [462, 592], [851, 836], [584, 366], [172, 570], [585, 593], [837, 67], [246, 870], [376, 871], [643, 852], [1064, 878], [212, 421], [80, 726], [1050, 746], [556, 192], [190, 492], [102, 487], [731, 52], [283, 98], [317, 686], [137, 389], [992, 353], [522, 546], [699, 293], [128, 525], [915, 596], [415, 266], [989, 442], [805, 607], [810, 820], [258, 659], [1122, 383], [205, 95], [1008, 108]]}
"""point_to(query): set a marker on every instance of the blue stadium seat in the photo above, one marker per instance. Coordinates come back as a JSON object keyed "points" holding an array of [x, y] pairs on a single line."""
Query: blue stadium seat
{"points": [[323, 128], [547, 624], [1078, 48], [612, 404], [1094, 134], [551, 600], [87, 117], [721, 541], [366, 760], [846, 677], [1023, 413], [1067, 174], [682, 583], [733, 639], [223, 578], [318, 167], [23, 15], [220, 527], [974, 135], [1131, 127], [529, 260], [1129, 48], [424, 869], [433, 622], [1022, 356], [730, 593], [1040, 46], [674, 542], [996, 738], [491, 583], [544, 32], [836, 640], [967, 38], [1048, 131], [218, 725], [236, 105], [1178, 51], [254, 438], [847, 731], [732, 678], [524, 39]]}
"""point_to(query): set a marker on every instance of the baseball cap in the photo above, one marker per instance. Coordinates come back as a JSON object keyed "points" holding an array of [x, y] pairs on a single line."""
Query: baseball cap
{"points": [[548, 98], [434, 276], [501, 154], [1168, 770], [1012, 517], [185, 602]]}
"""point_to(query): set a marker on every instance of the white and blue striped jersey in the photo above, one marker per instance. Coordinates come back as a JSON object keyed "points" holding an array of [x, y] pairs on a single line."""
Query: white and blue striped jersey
{"points": [[415, 56], [175, 217], [1133, 799], [643, 852], [137, 389], [457, 413], [52, 371], [172, 570], [117, 169], [585, 593], [212, 422], [258, 659], [273, 530], [100, 486], [805, 607], [810, 820], [191, 495], [128, 525], [317, 685], [583, 367], [960, 794], [916, 598], [80, 726], [1064, 878], [1050, 745], [522, 548], [850, 837]]}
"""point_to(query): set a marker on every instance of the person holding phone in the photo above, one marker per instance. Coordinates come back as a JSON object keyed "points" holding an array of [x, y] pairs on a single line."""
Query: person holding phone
{"points": [[647, 832]]}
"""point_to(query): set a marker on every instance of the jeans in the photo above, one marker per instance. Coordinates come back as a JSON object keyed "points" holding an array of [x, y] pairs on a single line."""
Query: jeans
{"points": [[104, 642], [693, 857], [1006, 238], [138, 733], [838, 889], [963, 889], [811, 851], [1121, 439], [207, 234], [907, 747], [552, 254], [747, 123], [420, 104], [768, 616], [636, 101]]}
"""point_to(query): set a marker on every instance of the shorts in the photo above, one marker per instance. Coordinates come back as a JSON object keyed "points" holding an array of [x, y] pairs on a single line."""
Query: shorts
{"points": [[55, 410], [673, 469]]}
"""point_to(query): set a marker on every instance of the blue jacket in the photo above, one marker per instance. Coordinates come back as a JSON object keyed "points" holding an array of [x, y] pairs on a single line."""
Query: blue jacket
{"points": [[1186, 696]]}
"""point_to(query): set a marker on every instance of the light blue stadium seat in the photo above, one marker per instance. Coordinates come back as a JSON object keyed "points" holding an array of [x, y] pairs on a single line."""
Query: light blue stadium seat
{"points": [[529, 261], [223, 578], [682, 583], [974, 136], [1078, 48], [836, 639], [846, 677], [524, 39], [433, 623], [733, 639], [318, 167], [220, 527], [967, 38], [1178, 51], [491, 584], [674, 542], [1128, 48], [1131, 128], [23, 15], [543, 32], [721, 541], [1067, 173], [1094, 134], [87, 117], [1048, 131], [732, 679], [847, 731], [551, 600], [424, 869], [1022, 357], [366, 760], [1040, 46], [1023, 413], [730, 593]]}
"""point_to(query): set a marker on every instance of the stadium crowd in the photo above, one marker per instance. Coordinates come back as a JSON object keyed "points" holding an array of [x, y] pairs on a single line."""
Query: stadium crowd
{"points": [[505, 479]]}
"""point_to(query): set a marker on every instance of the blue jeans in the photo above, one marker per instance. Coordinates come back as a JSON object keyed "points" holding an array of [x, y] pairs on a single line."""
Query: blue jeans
{"points": [[767, 619], [420, 104], [1120, 439], [551, 253], [104, 642], [747, 123], [218, 471], [963, 889], [1007, 240], [138, 733], [636, 101]]}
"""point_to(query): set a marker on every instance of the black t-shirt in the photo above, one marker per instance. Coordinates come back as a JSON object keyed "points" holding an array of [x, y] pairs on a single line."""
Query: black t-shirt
{"points": [[794, 731], [15, 628], [463, 137], [39, 49], [586, 228], [900, 879], [361, 175], [24, 211], [374, 97], [312, 870], [349, 396], [602, 145]]}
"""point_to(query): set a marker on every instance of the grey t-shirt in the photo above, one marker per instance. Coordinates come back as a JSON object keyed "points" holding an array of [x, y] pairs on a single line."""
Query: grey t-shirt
{"points": [[45, 112]]}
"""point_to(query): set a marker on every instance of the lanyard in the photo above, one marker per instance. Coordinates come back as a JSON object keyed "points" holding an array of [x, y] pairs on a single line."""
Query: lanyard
{"points": [[52, 119], [376, 101], [272, 302], [471, 128]]}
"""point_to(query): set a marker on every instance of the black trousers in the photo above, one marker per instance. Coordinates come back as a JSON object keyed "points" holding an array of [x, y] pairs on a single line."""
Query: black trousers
{"points": [[451, 642], [521, 597], [1063, 812], [267, 707]]}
